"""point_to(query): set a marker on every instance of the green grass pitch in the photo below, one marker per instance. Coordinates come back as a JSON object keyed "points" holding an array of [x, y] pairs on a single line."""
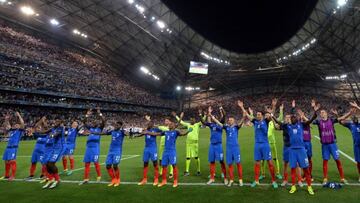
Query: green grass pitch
{"points": [[131, 172]]}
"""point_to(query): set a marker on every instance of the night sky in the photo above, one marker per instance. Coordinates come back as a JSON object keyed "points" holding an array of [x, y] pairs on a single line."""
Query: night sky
{"points": [[244, 26]]}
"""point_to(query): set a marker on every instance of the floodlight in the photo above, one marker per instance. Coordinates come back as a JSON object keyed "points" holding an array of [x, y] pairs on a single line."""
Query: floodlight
{"points": [[161, 24], [27, 10], [54, 22]]}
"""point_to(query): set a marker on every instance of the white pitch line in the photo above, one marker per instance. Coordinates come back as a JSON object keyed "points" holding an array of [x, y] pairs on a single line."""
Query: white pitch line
{"points": [[183, 184], [341, 152]]}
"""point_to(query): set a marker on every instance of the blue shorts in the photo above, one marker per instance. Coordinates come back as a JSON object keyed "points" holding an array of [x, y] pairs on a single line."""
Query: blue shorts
{"points": [[262, 151], [298, 156], [330, 149], [91, 155], [215, 152], [150, 153], [113, 157], [55, 155], [232, 154], [286, 154], [69, 149], [168, 158], [308, 148], [37, 156], [9, 154], [357, 152]]}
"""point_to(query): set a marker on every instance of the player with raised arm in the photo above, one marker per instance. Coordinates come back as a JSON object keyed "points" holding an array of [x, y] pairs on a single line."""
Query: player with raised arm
{"points": [[39, 149], [215, 149], [163, 128], [92, 152], [232, 146], [15, 130], [55, 145], [307, 138], [71, 135], [262, 147], [328, 142], [169, 155], [272, 140], [115, 152], [150, 153], [354, 127], [192, 141], [297, 152]]}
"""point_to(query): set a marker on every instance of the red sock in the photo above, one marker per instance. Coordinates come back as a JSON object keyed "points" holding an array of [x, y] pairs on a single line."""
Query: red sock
{"points": [[117, 173], [212, 171], [145, 171], [307, 176], [111, 173], [272, 171], [156, 172], [325, 168], [87, 170], [97, 169], [257, 171], [175, 170], [7, 168], [293, 176], [32, 169], [223, 168], [340, 168], [13, 168], [64, 161], [299, 175], [71, 163], [310, 167], [285, 172], [231, 172], [43, 170], [358, 167], [50, 176], [240, 171], [164, 173], [57, 177]]}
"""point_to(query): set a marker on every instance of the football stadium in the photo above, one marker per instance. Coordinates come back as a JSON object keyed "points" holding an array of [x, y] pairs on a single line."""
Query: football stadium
{"points": [[179, 101]]}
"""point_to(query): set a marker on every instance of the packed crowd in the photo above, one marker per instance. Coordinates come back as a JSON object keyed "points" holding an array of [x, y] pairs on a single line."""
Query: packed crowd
{"points": [[29, 62], [9, 97]]}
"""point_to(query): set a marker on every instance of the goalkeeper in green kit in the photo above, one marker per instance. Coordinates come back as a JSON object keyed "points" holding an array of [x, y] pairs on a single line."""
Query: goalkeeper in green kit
{"points": [[192, 141]]}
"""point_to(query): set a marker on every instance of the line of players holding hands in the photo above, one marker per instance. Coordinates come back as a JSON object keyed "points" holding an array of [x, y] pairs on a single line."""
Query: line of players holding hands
{"points": [[51, 144]]}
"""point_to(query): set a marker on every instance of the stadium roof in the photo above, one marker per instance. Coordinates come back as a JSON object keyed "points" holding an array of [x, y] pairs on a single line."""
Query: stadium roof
{"points": [[129, 34]]}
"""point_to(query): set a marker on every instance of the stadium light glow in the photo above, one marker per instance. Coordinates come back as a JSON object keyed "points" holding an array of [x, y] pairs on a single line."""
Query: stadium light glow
{"points": [[27, 10], [54, 22], [207, 56], [297, 51], [2, 1], [145, 70], [141, 9], [335, 77], [341, 2], [178, 88], [161, 24], [130, 1]]}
